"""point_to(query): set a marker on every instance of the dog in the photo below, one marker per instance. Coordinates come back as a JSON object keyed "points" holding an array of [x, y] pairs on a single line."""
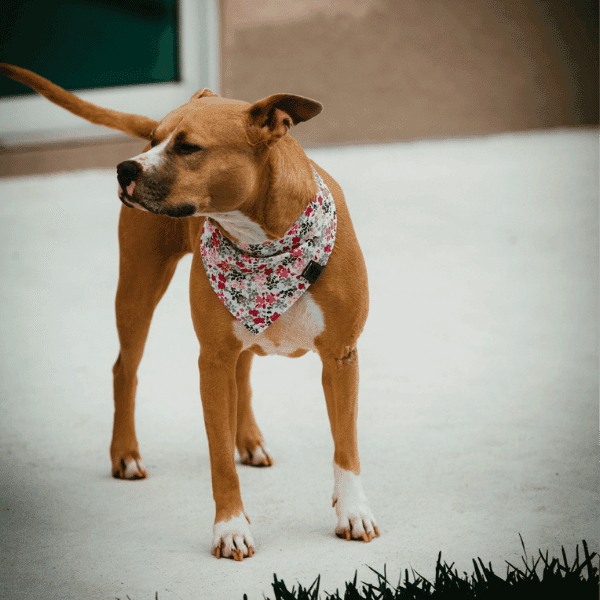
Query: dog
{"points": [[276, 269]]}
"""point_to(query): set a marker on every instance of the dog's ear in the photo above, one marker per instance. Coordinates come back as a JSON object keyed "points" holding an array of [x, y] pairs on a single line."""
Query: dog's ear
{"points": [[204, 93], [270, 118]]}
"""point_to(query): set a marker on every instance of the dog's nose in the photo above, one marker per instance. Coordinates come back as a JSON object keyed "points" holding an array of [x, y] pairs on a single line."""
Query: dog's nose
{"points": [[127, 172]]}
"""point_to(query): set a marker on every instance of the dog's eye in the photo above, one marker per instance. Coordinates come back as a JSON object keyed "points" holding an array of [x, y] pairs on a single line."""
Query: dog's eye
{"points": [[185, 148]]}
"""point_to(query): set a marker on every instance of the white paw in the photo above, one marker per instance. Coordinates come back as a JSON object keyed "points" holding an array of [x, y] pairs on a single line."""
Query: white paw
{"points": [[260, 457], [355, 519], [232, 538], [131, 468]]}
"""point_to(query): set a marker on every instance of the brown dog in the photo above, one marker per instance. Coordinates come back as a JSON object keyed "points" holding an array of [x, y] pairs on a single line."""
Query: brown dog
{"points": [[232, 165]]}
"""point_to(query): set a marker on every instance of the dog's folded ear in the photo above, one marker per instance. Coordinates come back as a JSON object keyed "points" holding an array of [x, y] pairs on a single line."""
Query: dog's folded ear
{"points": [[270, 118], [204, 93]]}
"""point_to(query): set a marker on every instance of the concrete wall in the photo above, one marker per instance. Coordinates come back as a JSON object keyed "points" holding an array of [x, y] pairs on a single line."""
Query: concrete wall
{"points": [[403, 69]]}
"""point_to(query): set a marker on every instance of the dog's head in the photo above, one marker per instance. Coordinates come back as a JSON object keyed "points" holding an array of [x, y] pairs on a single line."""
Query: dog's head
{"points": [[205, 156]]}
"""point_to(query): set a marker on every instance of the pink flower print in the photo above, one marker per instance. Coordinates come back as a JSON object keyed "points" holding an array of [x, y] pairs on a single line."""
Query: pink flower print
{"points": [[254, 312], [270, 298], [297, 252], [259, 286], [301, 286], [268, 271], [261, 302], [308, 211], [275, 316], [295, 240], [259, 321], [213, 256], [283, 271], [327, 248]]}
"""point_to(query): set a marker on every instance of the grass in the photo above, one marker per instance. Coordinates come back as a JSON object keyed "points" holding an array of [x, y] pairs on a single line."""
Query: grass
{"points": [[538, 577]]}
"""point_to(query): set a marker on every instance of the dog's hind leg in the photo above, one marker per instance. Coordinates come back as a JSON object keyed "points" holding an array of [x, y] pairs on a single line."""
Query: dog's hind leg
{"points": [[340, 384], [150, 247], [249, 440]]}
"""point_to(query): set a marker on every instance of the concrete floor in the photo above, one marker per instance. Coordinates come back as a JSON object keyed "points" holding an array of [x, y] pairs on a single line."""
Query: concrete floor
{"points": [[479, 384]]}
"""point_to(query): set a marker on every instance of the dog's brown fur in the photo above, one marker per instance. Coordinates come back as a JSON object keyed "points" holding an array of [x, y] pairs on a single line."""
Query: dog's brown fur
{"points": [[219, 156]]}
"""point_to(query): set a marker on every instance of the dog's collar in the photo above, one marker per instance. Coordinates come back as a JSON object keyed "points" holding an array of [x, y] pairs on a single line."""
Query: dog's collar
{"points": [[259, 282]]}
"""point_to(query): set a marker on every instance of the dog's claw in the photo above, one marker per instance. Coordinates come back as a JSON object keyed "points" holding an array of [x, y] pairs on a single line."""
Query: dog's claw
{"points": [[356, 528]]}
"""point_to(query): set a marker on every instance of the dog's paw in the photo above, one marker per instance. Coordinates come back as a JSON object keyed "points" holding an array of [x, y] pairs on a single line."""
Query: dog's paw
{"points": [[259, 457], [233, 539], [129, 468], [357, 523], [355, 519]]}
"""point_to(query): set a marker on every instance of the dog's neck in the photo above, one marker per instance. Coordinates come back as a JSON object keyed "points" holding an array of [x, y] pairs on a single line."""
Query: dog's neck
{"points": [[287, 187]]}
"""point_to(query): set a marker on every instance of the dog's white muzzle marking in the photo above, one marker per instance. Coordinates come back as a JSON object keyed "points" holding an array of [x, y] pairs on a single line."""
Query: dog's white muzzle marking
{"points": [[154, 157]]}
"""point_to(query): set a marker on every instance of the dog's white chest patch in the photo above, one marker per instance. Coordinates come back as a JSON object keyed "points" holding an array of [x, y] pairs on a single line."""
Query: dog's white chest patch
{"points": [[294, 331]]}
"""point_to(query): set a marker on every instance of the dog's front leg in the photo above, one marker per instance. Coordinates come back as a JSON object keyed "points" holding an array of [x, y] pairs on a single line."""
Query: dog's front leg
{"points": [[340, 384], [231, 534], [149, 249]]}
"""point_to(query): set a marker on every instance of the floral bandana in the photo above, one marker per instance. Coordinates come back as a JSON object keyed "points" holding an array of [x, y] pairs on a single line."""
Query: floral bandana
{"points": [[259, 282]]}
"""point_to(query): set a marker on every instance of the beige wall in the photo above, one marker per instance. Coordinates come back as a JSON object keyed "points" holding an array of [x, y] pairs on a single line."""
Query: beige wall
{"points": [[392, 70], [404, 69]]}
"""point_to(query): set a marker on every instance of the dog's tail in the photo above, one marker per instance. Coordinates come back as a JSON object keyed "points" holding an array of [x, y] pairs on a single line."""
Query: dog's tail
{"points": [[135, 125]]}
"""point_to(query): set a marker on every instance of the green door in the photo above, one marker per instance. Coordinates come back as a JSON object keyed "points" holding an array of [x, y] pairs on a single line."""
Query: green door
{"points": [[86, 44]]}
